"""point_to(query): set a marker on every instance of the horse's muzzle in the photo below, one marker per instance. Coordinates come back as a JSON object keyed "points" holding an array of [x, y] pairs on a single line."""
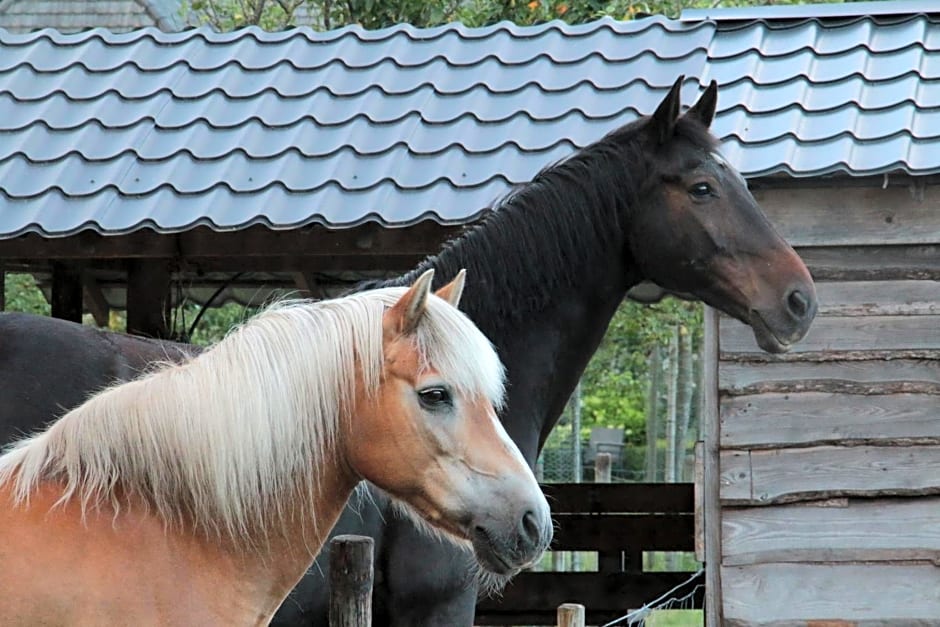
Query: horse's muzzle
{"points": [[505, 548]]}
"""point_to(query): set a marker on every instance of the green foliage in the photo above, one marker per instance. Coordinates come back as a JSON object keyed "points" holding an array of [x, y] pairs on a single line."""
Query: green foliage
{"points": [[273, 15], [214, 323], [22, 294], [675, 618], [615, 383]]}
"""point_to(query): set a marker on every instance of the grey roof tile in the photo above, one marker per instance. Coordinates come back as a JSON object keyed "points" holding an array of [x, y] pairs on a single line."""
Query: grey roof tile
{"points": [[168, 130], [122, 131], [813, 97]]}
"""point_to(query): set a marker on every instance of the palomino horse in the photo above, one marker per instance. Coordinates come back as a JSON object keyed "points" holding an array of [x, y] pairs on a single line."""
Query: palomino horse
{"points": [[199, 494], [651, 201]]}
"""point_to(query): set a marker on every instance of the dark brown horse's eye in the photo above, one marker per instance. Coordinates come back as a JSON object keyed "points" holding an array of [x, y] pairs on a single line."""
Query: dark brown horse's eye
{"points": [[701, 190], [434, 398]]}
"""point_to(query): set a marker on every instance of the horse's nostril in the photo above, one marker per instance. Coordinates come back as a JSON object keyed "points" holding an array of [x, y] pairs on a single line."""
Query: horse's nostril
{"points": [[798, 303]]}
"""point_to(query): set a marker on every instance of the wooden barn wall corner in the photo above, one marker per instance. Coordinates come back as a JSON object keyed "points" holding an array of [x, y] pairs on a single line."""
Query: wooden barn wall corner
{"points": [[710, 489]]}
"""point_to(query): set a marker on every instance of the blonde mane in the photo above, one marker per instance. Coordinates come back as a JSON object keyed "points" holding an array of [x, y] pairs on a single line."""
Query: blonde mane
{"points": [[230, 441]]}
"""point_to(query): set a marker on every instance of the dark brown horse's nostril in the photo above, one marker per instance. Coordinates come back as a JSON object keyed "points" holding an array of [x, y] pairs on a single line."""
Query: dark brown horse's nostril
{"points": [[798, 304]]}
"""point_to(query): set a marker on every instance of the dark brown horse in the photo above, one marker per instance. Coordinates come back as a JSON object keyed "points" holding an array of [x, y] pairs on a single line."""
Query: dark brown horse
{"points": [[652, 200]]}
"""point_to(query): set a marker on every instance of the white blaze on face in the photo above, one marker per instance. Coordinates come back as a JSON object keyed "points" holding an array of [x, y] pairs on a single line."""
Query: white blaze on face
{"points": [[508, 443], [723, 162]]}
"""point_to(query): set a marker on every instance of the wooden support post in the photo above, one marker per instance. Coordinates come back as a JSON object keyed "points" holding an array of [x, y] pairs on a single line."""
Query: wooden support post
{"points": [[711, 481], [351, 581], [66, 291], [95, 300], [3, 289], [571, 615], [148, 297], [607, 562]]}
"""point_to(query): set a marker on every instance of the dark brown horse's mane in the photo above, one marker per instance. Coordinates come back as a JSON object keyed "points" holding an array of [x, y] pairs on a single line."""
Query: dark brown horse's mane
{"points": [[520, 255]]}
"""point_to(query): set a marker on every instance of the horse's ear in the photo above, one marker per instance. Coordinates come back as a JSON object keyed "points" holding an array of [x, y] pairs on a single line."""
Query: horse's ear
{"points": [[404, 316], [453, 290], [663, 122], [704, 109]]}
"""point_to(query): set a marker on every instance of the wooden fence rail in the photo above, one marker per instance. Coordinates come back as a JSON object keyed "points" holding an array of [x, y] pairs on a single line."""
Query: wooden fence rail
{"points": [[629, 518]]}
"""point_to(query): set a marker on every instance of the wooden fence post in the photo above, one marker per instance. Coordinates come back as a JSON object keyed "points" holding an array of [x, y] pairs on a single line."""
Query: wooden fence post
{"points": [[602, 465], [351, 581], [607, 561], [571, 615]]}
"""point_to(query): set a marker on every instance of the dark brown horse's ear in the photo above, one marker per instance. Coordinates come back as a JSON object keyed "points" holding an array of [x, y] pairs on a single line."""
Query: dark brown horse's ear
{"points": [[704, 109], [453, 290], [664, 119], [404, 316]]}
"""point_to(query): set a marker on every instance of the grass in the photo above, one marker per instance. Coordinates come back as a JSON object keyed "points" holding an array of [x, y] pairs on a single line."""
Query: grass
{"points": [[676, 618]]}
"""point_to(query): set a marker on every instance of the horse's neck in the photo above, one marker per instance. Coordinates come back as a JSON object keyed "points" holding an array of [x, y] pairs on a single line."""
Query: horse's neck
{"points": [[547, 347], [163, 571], [545, 357], [289, 556]]}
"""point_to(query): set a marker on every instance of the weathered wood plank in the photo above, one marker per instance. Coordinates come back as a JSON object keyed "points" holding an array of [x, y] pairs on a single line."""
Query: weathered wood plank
{"points": [[873, 594], [308, 242], [852, 216], [861, 376], [609, 498], [735, 476], [799, 419], [878, 530], [616, 532], [699, 501], [884, 298], [778, 476], [870, 263], [845, 333], [531, 598]]}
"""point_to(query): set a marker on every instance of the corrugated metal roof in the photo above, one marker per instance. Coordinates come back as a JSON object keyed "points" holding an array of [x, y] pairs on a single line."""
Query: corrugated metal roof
{"points": [[115, 132], [813, 97], [120, 131]]}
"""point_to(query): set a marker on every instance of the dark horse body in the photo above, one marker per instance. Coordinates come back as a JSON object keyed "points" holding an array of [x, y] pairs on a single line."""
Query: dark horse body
{"points": [[551, 263]]}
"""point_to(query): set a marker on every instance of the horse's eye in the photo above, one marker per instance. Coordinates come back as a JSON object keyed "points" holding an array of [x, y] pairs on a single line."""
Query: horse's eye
{"points": [[701, 190], [435, 398]]}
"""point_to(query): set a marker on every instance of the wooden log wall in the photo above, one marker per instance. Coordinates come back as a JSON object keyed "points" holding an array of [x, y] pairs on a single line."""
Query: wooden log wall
{"points": [[829, 456]]}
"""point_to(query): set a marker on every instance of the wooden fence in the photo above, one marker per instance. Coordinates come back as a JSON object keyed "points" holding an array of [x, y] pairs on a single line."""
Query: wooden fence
{"points": [[620, 521]]}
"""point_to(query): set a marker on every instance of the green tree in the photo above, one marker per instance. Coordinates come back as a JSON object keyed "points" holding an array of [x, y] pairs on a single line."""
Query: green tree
{"points": [[616, 380], [21, 293], [225, 15]]}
